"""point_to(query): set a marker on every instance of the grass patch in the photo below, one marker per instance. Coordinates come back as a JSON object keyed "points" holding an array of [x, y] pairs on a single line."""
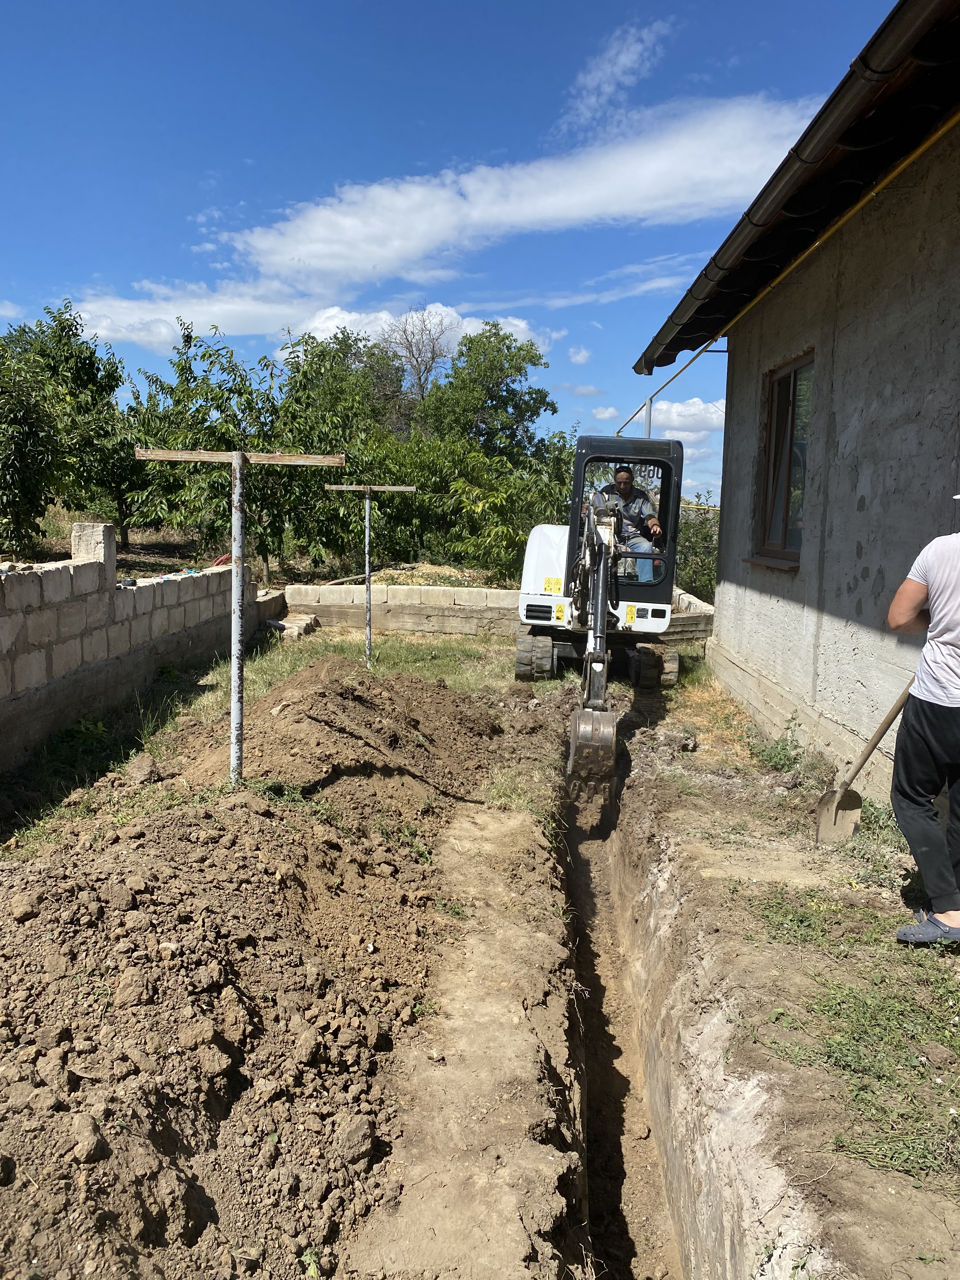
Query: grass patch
{"points": [[878, 854], [530, 791], [889, 1031]]}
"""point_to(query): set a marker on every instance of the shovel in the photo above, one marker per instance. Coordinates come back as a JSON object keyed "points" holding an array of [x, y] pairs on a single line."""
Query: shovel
{"points": [[838, 812]]}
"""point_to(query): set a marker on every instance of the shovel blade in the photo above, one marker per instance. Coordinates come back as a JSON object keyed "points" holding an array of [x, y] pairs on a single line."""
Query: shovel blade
{"points": [[838, 816]]}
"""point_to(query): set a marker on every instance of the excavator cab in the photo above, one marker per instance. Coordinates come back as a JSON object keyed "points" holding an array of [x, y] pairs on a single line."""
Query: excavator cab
{"points": [[597, 585]]}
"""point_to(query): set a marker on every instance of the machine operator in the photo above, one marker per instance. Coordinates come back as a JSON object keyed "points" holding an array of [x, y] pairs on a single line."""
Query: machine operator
{"points": [[638, 515]]}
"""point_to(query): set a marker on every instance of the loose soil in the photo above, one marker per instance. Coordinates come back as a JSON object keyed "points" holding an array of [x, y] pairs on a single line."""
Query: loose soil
{"points": [[375, 1014]]}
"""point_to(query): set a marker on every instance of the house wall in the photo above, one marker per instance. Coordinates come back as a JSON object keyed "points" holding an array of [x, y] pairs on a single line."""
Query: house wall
{"points": [[72, 643], [879, 306]]}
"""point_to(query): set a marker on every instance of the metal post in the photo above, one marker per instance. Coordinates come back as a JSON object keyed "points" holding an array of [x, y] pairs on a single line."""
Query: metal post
{"points": [[366, 551], [648, 417], [236, 619]]}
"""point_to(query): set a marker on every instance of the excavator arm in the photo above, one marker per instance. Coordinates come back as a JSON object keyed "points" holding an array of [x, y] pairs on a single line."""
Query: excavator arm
{"points": [[593, 728]]}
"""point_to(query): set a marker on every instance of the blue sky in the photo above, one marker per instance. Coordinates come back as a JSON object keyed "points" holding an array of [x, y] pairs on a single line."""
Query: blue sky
{"points": [[564, 168]]}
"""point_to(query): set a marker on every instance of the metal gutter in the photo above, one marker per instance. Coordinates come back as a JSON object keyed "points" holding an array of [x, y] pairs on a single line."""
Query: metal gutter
{"points": [[887, 58]]}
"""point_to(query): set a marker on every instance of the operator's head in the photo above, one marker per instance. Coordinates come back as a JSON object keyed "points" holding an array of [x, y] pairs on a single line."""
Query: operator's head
{"points": [[623, 479]]}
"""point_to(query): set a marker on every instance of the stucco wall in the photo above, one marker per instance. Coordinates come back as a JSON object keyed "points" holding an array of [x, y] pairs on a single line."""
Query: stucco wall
{"points": [[879, 306]]}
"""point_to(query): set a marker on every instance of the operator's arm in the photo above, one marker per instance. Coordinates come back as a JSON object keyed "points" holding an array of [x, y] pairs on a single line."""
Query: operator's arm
{"points": [[908, 609], [649, 514]]}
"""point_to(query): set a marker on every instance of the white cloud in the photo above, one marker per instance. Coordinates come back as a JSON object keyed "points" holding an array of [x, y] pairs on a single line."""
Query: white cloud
{"points": [[688, 419], [605, 414], [628, 55], [585, 389], [579, 355], [682, 161], [9, 310], [678, 165], [207, 246]]}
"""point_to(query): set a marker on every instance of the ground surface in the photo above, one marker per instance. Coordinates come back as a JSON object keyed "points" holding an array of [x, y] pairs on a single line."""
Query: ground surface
{"points": [[372, 1015]]}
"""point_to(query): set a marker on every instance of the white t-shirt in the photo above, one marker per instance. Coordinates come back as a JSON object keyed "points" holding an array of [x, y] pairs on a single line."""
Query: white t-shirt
{"points": [[938, 673]]}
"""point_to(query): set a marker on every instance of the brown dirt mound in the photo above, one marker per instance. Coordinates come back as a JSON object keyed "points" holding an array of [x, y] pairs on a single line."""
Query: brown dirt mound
{"points": [[199, 990]]}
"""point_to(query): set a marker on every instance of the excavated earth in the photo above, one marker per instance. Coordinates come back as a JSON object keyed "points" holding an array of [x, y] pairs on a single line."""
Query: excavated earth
{"points": [[303, 1028], [363, 1018]]}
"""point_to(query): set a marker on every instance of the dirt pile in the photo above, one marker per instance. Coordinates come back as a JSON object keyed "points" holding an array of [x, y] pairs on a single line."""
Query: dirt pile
{"points": [[202, 993]]}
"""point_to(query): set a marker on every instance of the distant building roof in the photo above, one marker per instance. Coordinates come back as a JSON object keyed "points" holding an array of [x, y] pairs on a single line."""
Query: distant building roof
{"points": [[901, 88]]}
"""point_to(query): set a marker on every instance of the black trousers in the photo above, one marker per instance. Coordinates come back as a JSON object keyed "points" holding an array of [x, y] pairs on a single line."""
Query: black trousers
{"points": [[927, 758]]}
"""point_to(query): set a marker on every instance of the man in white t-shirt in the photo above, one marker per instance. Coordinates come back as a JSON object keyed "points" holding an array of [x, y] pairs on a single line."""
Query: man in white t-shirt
{"points": [[927, 754]]}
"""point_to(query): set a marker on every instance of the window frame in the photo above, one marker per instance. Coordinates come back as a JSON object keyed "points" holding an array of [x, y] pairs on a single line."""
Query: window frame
{"points": [[767, 546]]}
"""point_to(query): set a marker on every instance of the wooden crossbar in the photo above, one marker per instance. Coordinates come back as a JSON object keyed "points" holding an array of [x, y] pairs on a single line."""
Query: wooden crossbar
{"points": [[271, 459]]}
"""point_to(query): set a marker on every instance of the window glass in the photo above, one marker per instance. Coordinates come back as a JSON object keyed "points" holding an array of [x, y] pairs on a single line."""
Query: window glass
{"points": [[788, 429]]}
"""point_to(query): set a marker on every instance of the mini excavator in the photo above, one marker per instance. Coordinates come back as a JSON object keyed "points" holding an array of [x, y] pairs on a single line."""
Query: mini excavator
{"points": [[584, 594]]}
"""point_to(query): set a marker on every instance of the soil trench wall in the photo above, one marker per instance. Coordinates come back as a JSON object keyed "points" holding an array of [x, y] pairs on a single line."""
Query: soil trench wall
{"points": [[458, 610], [727, 1198], [72, 642]]}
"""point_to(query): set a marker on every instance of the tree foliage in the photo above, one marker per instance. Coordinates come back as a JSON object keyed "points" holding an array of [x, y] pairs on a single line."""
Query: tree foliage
{"points": [[697, 539], [462, 429]]}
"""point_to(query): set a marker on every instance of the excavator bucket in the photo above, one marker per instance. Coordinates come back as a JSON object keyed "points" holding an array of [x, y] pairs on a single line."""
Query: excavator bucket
{"points": [[593, 750]]}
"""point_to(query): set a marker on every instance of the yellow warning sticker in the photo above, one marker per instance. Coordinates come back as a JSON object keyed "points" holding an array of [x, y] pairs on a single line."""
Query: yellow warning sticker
{"points": [[631, 614], [552, 586], [558, 613]]}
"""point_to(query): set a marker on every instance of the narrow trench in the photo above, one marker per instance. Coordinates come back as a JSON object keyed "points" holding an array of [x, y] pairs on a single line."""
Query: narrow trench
{"points": [[629, 1224]]}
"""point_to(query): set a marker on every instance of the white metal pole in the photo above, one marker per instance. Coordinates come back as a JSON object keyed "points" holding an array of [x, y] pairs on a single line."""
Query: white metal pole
{"points": [[366, 551], [236, 620]]}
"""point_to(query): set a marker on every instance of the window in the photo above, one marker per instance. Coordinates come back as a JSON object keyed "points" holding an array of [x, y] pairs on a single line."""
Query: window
{"points": [[785, 459]]}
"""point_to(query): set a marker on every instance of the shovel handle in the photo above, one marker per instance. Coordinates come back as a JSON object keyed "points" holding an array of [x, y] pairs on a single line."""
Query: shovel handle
{"points": [[868, 750]]}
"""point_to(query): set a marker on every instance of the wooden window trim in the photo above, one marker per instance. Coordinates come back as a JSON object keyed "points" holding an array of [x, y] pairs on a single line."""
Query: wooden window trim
{"points": [[766, 553]]}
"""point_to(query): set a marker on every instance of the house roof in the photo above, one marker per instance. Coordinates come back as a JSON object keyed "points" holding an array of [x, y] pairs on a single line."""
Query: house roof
{"points": [[901, 88]]}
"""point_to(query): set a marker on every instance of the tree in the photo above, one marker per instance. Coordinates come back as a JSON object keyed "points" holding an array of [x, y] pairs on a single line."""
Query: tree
{"points": [[31, 447], [95, 468], [500, 502], [486, 398], [421, 340]]}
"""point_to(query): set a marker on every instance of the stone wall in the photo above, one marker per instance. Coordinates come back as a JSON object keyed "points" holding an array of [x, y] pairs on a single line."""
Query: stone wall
{"points": [[73, 643], [457, 610], [879, 309]]}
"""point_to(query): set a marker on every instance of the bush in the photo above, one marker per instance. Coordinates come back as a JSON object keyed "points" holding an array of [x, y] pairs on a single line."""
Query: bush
{"points": [[697, 548]]}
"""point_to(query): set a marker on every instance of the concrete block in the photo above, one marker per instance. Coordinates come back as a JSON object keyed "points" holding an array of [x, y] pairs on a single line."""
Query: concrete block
{"points": [[65, 657], [123, 602], [73, 619], [302, 594], [6, 677], [175, 620], [41, 627], [334, 595], [168, 593], [22, 591], [87, 577], [94, 645], [191, 613], [56, 582], [404, 595], [219, 579], [206, 609], [501, 600], [438, 596], [159, 623], [457, 624], [98, 609], [139, 630], [192, 587], [29, 670], [118, 639], [144, 597], [11, 630], [96, 542]]}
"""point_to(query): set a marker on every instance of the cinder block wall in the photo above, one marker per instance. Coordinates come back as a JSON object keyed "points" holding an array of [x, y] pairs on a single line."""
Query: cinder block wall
{"points": [[73, 643], [457, 610]]}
